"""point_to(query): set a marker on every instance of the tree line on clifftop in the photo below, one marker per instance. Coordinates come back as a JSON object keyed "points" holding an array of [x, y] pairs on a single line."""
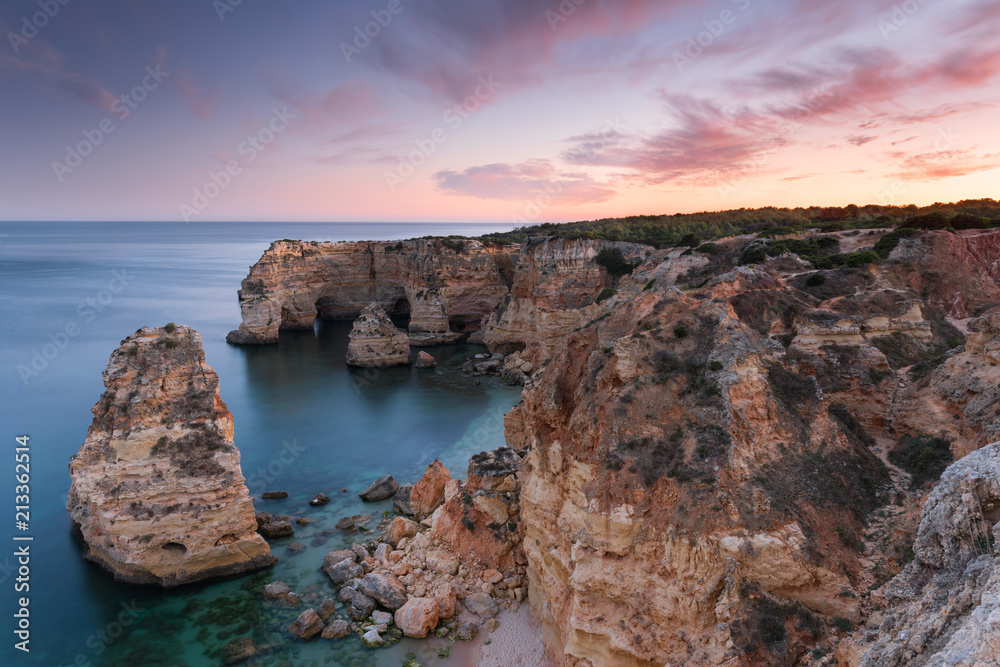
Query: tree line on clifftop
{"points": [[693, 229]]}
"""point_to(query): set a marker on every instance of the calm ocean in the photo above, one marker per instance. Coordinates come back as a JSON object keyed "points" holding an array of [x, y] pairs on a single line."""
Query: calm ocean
{"points": [[303, 420]]}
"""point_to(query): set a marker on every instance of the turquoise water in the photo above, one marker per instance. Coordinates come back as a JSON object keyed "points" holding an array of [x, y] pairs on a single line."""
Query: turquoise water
{"points": [[305, 423]]}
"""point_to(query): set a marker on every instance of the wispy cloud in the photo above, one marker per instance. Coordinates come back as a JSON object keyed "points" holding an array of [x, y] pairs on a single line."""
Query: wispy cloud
{"points": [[518, 182]]}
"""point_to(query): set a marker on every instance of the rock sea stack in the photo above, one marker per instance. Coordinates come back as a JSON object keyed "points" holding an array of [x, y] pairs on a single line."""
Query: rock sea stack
{"points": [[157, 490], [376, 342]]}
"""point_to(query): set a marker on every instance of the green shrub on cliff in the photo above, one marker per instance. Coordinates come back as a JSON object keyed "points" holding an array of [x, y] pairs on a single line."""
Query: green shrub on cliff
{"points": [[923, 456], [614, 262]]}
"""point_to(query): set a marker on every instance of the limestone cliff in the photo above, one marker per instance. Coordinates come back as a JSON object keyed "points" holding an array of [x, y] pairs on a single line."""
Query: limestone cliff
{"points": [[703, 464], [944, 608], [446, 287], [375, 342], [157, 490], [556, 289]]}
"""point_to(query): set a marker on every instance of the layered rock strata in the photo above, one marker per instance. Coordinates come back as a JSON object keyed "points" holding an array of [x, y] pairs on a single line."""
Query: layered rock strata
{"points": [[556, 289], [445, 287], [703, 463], [157, 490], [375, 342]]}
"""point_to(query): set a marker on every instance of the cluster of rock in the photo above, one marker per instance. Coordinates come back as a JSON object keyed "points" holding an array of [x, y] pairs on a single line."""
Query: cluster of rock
{"points": [[157, 491], [449, 570], [511, 368]]}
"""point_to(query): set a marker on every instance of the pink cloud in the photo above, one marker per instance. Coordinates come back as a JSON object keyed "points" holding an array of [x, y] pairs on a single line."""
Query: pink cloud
{"points": [[202, 102], [525, 181]]}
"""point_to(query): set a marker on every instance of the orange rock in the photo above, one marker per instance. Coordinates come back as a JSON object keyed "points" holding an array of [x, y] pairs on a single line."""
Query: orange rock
{"points": [[417, 617], [428, 494], [400, 528]]}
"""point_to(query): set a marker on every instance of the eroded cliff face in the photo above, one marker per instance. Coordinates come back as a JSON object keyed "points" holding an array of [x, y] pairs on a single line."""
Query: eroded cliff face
{"points": [[157, 490], [555, 288], [944, 608], [703, 464], [445, 287]]}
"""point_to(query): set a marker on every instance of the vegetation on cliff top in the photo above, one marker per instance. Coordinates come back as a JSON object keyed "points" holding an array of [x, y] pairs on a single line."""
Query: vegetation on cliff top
{"points": [[689, 229]]}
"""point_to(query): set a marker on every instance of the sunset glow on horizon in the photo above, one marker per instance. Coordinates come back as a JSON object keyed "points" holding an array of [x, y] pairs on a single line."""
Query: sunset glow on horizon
{"points": [[514, 111]]}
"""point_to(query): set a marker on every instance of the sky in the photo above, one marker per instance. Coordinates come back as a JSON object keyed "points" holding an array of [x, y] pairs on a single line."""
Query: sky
{"points": [[522, 111]]}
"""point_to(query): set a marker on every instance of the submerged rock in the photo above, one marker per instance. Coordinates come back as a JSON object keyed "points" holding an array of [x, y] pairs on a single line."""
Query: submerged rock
{"points": [[277, 589], [320, 499], [372, 639], [276, 529], [425, 360], [274, 495], [336, 629], [375, 342], [307, 625], [157, 489], [239, 650], [380, 489], [353, 522]]}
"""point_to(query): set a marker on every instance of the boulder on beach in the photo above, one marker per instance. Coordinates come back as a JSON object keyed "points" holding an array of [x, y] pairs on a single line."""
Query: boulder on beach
{"points": [[428, 494], [399, 528], [383, 588], [417, 617], [380, 489]]}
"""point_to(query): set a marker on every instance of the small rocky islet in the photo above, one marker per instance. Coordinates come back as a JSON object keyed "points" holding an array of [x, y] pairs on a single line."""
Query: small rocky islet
{"points": [[719, 457]]}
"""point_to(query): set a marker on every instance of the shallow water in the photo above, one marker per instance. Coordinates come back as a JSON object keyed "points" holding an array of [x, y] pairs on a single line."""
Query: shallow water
{"points": [[305, 423]]}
